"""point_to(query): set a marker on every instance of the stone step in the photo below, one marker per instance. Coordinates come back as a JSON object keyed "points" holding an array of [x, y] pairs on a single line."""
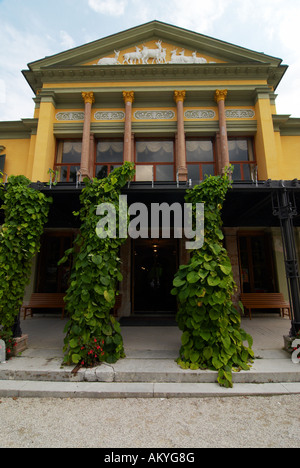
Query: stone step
{"points": [[42, 389], [132, 370]]}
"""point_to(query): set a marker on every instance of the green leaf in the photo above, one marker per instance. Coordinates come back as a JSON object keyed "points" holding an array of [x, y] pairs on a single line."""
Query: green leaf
{"points": [[194, 366], [185, 338], [178, 282], [214, 314], [207, 353], [226, 269], [194, 356], [97, 259], [192, 277], [109, 296], [73, 343], [216, 363], [76, 358], [107, 330], [206, 335], [98, 289], [213, 281]]}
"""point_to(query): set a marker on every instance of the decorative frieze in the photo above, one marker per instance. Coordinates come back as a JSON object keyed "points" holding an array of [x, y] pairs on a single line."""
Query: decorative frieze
{"points": [[240, 114], [200, 114], [63, 116], [154, 115], [109, 115]]}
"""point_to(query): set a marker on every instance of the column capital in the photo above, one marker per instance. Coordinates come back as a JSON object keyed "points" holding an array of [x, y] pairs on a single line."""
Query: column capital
{"points": [[221, 95], [88, 98], [179, 96], [128, 96]]}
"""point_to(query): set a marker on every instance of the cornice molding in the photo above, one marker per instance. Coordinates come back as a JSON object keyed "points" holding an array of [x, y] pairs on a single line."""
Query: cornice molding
{"points": [[185, 72], [286, 125], [19, 129]]}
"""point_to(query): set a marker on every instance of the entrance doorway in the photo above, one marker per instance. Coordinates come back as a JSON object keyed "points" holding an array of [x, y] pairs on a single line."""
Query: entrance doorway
{"points": [[155, 262]]}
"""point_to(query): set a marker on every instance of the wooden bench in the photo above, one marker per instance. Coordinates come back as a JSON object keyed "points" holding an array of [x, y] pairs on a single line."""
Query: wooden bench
{"points": [[44, 301], [266, 301]]}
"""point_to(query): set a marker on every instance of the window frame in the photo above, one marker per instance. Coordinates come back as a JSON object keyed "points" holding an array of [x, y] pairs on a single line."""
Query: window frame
{"points": [[242, 164], [58, 165], [155, 164], [200, 164], [109, 164]]}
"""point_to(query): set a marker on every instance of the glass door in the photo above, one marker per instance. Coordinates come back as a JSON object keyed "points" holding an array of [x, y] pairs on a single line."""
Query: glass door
{"points": [[155, 263]]}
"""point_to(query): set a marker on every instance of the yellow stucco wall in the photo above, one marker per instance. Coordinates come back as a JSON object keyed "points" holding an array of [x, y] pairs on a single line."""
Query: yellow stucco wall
{"points": [[17, 153], [265, 141], [289, 163], [44, 154]]}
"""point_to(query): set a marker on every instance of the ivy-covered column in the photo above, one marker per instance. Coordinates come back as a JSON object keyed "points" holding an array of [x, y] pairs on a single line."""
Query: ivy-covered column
{"points": [[212, 337], [93, 335], [26, 212]]}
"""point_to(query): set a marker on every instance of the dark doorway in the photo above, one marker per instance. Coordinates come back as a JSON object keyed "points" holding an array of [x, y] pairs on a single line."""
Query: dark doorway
{"points": [[155, 263], [256, 263], [52, 278]]}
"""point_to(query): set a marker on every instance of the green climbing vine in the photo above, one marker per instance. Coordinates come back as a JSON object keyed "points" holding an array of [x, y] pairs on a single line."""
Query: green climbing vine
{"points": [[93, 335], [26, 212], [212, 337]]}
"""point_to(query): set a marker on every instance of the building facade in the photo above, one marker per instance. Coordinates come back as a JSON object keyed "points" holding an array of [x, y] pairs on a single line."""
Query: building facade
{"points": [[180, 106]]}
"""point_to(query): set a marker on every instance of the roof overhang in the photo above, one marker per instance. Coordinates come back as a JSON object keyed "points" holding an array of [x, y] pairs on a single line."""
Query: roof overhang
{"points": [[247, 204]]}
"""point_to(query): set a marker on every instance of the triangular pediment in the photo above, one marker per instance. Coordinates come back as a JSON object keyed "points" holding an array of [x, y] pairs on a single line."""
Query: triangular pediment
{"points": [[190, 47]]}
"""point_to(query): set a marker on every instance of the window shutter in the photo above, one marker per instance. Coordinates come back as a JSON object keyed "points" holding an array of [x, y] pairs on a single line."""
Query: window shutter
{"points": [[2, 162]]}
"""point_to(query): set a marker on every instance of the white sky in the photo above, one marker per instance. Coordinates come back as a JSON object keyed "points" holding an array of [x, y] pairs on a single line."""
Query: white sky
{"points": [[33, 29]]}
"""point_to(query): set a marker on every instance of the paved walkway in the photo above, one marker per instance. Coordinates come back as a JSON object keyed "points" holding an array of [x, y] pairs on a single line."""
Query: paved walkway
{"points": [[149, 369]]}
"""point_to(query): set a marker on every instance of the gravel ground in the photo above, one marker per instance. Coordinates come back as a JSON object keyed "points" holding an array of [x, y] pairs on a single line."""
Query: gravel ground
{"points": [[238, 422]]}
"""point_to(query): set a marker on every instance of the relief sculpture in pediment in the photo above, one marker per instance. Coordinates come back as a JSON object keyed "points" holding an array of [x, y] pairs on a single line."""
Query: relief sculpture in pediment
{"points": [[145, 55]]}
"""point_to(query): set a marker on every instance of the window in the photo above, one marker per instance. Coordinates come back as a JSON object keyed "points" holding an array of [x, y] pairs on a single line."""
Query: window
{"points": [[2, 162], [68, 160], [155, 160], [241, 156], [200, 158], [109, 156]]}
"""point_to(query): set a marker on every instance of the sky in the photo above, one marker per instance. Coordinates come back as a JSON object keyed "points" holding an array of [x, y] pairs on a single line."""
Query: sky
{"points": [[33, 29]]}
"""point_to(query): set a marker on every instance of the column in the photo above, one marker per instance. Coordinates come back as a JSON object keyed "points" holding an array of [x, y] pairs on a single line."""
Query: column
{"points": [[220, 97], [85, 168], [179, 97], [128, 99]]}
